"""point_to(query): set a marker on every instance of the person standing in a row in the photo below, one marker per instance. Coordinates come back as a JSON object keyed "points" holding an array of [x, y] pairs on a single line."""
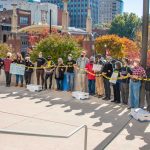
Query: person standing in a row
{"points": [[59, 74], [1, 64], [19, 60], [107, 71], [91, 76], [7, 63], [70, 72], [82, 61], [28, 70], [138, 73], [41, 61], [49, 70], [147, 88]]}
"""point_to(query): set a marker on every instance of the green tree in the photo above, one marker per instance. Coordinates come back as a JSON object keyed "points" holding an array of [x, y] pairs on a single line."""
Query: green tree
{"points": [[4, 48], [57, 45], [125, 25]]}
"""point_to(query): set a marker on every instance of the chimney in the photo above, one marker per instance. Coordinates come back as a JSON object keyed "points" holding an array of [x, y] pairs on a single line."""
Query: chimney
{"points": [[14, 19], [89, 20], [65, 17]]}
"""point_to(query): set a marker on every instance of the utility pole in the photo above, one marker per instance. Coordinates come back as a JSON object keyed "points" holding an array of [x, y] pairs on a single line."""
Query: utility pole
{"points": [[145, 33], [144, 51]]}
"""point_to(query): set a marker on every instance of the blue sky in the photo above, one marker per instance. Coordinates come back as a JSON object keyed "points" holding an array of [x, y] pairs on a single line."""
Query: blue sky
{"points": [[135, 6]]}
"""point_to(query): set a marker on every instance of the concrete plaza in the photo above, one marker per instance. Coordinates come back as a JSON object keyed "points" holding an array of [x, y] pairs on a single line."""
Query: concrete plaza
{"points": [[57, 113]]}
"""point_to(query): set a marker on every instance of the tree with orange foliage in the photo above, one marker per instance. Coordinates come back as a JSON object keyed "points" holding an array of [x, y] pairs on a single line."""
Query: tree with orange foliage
{"points": [[118, 47]]}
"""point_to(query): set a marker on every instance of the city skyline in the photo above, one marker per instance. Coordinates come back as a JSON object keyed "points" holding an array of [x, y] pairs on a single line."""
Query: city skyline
{"points": [[129, 6]]}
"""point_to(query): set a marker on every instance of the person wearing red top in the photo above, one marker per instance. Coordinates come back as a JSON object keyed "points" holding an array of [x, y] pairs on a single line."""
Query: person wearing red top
{"points": [[7, 63], [91, 76]]}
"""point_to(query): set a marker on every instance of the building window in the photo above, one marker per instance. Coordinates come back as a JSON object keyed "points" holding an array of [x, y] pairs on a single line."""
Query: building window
{"points": [[24, 20]]}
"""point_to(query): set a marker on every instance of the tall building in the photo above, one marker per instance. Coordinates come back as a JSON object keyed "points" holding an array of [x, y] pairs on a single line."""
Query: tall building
{"points": [[78, 10], [40, 13], [108, 9]]}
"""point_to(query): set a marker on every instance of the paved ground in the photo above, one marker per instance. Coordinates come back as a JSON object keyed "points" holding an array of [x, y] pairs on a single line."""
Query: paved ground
{"points": [[51, 112]]}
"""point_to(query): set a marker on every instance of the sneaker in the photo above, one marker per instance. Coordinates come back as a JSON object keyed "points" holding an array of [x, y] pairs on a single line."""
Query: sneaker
{"points": [[105, 98]]}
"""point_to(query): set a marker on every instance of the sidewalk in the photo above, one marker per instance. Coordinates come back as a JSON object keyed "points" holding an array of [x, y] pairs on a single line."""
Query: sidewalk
{"points": [[51, 112]]}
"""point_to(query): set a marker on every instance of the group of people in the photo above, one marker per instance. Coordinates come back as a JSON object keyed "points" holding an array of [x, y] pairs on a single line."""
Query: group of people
{"points": [[125, 77]]}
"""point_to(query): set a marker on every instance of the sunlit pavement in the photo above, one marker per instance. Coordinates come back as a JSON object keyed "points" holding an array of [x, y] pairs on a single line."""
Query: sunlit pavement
{"points": [[57, 113]]}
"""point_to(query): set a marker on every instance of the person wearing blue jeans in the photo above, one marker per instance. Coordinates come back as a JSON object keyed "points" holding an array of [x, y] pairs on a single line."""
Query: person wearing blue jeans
{"points": [[19, 77], [59, 84], [70, 72], [91, 87], [134, 96], [137, 74]]}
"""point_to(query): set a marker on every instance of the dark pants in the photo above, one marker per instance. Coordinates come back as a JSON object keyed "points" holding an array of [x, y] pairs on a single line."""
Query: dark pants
{"points": [[40, 74], [50, 76], [107, 88], [59, 84], [91, 87], [116, 89], [125, 92], [148, 100], [8, 78], [28, 77], [19, 77]]}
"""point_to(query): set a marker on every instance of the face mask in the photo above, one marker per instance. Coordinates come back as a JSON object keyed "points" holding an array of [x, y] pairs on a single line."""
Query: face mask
{"points": [[48, 59], [69, 58], [8, 56], [82, 56], [91, 62], [40, 56]]}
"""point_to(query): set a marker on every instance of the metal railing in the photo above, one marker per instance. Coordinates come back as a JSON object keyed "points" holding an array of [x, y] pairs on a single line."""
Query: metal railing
{"points": [[2, 131]]}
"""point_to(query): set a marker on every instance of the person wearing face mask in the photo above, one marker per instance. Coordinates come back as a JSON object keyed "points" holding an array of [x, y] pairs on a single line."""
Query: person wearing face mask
{"points": [[138, 73], [41, 61], [125, 70], [49, 69], [59, 74], [7, 62], [70, 72], [116, 86], [91, 76], [99, 78], [107, 72], [82, 61], [28, 70], [19, 60]]}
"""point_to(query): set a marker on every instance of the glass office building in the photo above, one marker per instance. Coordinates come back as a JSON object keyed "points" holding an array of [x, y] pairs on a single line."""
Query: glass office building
{"points": [[78, 11]]}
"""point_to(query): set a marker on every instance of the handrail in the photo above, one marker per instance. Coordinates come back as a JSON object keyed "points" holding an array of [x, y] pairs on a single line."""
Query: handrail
{"points": [[52, 136]]}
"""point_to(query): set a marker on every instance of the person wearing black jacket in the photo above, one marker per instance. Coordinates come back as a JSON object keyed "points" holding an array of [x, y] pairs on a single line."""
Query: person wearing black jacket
{"points": [[28, 70], [1, 64], [116, 86], [41, 61], [59, 74], [107, 72], [147, 88]]}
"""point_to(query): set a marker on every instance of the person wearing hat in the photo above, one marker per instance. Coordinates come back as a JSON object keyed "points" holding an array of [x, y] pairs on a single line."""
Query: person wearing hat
{"points": [[7, 62], [81, 63], [28, 70], [138, 73], [70, 72], [107, 72], [49, 69], [91, 76]]}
